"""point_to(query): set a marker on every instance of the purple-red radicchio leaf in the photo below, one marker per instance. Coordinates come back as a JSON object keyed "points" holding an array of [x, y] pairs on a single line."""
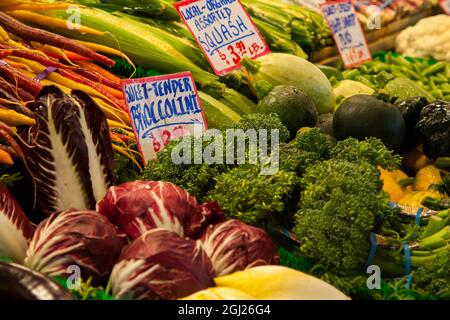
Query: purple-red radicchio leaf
{"points": [[69, 151], [233, 246], [161, 265], [139, 206], [81, 238], [15, 228]]}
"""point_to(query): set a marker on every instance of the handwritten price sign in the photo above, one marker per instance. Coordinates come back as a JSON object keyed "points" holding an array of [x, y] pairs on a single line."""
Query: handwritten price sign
{"points": [[347, 32], [162, 108], [224, 31], [445, 5]]}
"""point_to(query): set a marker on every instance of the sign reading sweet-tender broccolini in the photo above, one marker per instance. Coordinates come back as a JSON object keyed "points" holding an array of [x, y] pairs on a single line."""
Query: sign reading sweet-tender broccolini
{"points": [[162, 108], [224, 31]]}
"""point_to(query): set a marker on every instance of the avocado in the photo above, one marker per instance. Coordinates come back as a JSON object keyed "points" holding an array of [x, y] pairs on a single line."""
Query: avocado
{"points": [[362, 116], [294, 107]]}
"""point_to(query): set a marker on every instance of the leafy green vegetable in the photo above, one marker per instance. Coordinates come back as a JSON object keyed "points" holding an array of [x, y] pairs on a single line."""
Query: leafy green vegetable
{"points": [[259, 121], [339, 205], [434, 278], [313, 140], [371, 150], [294, 159], [244, 194], [197, 179], [85, 291]]}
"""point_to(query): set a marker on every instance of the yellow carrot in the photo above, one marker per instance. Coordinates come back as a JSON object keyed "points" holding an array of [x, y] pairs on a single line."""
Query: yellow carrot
{"points": [[4, 37], [126, 154], [17, 64], [114, 124], [52, 50], [13, 118], [110, 111], [5, 158], [36, 18], [41, 6], [105, 49]]}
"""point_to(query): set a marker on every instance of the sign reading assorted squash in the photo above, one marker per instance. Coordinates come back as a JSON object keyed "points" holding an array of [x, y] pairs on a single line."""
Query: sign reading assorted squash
{"points": [[224, 31]]}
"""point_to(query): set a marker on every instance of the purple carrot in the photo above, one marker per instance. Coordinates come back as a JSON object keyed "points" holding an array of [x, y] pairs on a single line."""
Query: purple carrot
{"points": [[16, 92], [16, 105], [35, 57], [14, 76], [34, 34]]}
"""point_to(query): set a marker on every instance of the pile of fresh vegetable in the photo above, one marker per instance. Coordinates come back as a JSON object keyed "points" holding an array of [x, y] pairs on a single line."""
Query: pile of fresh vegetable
{"points": [[360, 163]]}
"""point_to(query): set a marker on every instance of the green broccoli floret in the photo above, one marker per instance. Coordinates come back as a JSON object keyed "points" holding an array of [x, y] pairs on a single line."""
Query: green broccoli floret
{"points": [[244, 194], [313, 140], [433, 278], [294, 159], [324, 178], [258, 121], [339, 205], [371, 150], [197, 179]]}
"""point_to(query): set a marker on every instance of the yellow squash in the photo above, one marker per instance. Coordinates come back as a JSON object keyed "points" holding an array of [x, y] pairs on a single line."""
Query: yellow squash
{"points": [[280, 283], [390, 185], [219, 293], [414, 199], [426, 177]]}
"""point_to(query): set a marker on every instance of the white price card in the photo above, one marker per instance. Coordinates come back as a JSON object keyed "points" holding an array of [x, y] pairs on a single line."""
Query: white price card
{"points": [[445, 5], [162, 108], [347, 32], [224, 31]]}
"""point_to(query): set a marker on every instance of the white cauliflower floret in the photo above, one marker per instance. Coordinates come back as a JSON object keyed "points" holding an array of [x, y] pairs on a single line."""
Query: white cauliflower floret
{"points": [[430, 37]]}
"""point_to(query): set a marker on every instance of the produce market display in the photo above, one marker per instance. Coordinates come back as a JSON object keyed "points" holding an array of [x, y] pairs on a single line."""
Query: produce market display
{"points": [[351, 169]]}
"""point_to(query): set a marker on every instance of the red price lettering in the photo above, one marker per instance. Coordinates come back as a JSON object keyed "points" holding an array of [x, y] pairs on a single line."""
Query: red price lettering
{"points": [[166, 137], [223, 56], [178, 131], [155, 143], [240, 46], [254, 48], [236, 58]]}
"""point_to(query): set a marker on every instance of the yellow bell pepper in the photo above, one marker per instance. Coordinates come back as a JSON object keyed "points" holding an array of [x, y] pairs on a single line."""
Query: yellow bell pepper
{"points": [[390, 185]]}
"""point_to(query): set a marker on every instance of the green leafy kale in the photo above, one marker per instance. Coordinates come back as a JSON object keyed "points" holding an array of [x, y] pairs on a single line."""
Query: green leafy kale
{"points": [[245, 194], [371, 150]]}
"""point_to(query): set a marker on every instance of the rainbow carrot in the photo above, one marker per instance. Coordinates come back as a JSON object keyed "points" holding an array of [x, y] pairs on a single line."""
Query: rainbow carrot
{"points": [[15, 76], [106, 74], [33, 34], [97, 77]]}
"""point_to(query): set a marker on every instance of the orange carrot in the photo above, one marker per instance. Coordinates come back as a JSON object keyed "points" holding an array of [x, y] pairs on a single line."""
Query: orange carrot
{"points": [[5, 158], [100, 70]]}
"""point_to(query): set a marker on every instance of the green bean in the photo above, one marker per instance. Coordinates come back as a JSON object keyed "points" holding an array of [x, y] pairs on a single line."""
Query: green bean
{"points": [[438, 80], [351, 74], [403, 62], [437, 94], [411, 73], [434, 68]]}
